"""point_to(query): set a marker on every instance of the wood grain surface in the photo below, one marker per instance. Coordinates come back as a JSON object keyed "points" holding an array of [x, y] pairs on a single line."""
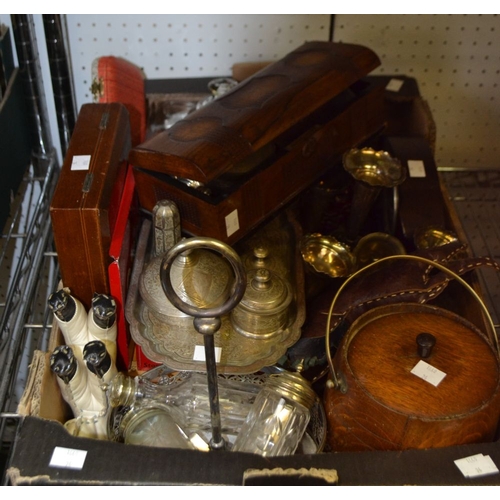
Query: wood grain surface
{"points": [[85, 204], [211, 140]]}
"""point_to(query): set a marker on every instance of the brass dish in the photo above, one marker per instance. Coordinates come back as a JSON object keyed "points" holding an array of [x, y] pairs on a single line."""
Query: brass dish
{"points": [[433, 236], [327, 255], [375, 246], [376, 168]]}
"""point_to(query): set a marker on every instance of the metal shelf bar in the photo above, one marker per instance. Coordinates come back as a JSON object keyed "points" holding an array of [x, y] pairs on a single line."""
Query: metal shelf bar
{"points": [[33, 276]]}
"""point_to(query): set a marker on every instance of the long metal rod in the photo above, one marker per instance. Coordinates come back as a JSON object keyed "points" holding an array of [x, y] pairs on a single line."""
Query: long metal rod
{"points": [[61, 77], [217, 441], [13, 349], [29, 63]]}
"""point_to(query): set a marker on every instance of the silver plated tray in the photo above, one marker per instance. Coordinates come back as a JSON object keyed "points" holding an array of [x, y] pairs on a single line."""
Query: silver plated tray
{"points": [[175, 347]]}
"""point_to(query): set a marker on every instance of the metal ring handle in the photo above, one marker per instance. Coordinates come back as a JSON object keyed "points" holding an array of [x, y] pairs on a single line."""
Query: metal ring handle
{"points": [[493, 334], [237, 290]]}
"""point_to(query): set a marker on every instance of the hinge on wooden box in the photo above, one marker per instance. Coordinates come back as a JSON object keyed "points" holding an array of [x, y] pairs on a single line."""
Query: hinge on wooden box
{"points": [[87, 182], [104, 120]]}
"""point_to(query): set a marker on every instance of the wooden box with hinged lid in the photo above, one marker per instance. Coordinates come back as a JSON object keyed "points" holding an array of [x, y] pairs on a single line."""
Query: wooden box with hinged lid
{"points": [[85, 204], [232, 163]]}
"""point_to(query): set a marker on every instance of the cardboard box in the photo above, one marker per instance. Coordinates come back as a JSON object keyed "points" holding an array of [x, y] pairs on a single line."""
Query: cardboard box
{"points": [[407, 113], [109, 463], [41, 432], [420, 202]]}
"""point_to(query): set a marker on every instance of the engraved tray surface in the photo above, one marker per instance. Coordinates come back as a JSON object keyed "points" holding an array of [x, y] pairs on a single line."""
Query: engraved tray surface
{"points": [[175, 347]]}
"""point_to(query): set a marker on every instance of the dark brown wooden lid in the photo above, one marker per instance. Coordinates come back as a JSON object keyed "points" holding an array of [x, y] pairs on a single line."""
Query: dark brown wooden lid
{"points": [[216, 137], [381, 351]]}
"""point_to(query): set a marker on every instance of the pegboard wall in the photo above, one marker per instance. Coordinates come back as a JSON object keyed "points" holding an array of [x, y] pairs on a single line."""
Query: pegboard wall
{"points": [[456, 61], [185, 46], [454, 58]]}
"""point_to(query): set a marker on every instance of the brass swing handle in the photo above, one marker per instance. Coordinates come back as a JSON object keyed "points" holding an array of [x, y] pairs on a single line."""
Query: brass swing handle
{"points": [[492, 335]]}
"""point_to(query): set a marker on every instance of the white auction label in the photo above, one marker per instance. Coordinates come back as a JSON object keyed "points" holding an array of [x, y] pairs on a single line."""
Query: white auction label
{"points": [[394, 85], [232, 223], [80, 162], [428, 373], [199, 353], [68, 458], [416, 168], [476, 465]]}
